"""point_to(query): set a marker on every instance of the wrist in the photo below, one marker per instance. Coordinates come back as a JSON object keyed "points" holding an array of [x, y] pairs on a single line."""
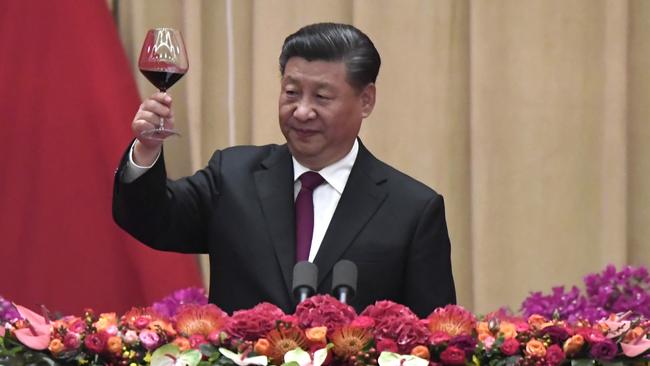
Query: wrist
{"points": [[144, 155]]}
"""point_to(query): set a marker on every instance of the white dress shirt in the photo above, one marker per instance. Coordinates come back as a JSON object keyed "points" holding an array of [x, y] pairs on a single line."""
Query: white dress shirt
{"points": [[326, 196]]}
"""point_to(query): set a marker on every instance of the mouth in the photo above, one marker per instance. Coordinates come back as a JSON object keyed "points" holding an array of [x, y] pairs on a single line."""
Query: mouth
{"points": [[304, 133]]}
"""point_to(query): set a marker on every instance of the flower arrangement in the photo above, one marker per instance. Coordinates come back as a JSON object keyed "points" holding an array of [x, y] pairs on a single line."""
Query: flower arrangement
{"points": [[183, 329], [606, 292]]}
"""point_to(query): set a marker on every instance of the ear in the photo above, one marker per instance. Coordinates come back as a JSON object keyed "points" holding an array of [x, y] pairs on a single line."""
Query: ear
{"points": [[367, 98]]}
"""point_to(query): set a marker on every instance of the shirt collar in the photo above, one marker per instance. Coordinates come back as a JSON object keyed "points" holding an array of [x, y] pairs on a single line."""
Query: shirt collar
{"points": [[336, 174]]}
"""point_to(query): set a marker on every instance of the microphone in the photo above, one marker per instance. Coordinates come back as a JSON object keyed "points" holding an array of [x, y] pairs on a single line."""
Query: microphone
{"points": [[344, 280], [305, 278]]}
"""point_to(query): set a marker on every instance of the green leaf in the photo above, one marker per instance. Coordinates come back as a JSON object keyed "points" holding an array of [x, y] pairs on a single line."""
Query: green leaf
{"points": [[292, 363], [170, 355], [583, 362]]}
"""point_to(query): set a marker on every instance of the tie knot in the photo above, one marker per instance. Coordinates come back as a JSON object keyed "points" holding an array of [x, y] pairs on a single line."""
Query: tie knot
{"points": [[311, 180]]}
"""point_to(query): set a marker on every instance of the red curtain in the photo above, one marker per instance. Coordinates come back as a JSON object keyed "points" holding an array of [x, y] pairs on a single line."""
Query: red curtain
{"points": [[67, 97]]}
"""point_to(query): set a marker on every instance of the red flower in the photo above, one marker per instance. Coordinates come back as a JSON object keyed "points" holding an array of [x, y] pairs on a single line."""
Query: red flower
{"points": [[194, 319], [510, 347], [406, 333], [254, 323], [324, 310], [363, 322], [383, 312], [388, 345], [453, 356], [96, 342], [554, 355]]}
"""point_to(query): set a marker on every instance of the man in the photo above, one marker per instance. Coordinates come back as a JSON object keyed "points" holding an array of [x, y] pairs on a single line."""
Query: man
{"points": [[240, 208]]}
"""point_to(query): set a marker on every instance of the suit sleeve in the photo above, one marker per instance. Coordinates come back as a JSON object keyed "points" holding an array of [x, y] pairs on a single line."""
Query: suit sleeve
{"points": [[429, 281], [164, 214]]}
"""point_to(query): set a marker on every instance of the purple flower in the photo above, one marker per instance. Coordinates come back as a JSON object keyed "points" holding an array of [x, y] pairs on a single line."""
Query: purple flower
{"points": [[606, 292], [464, 342], [604, 350], [8, 312], [556, 334], [170, 305]]}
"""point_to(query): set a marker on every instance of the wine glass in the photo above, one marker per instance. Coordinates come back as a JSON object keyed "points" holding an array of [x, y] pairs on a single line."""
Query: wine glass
{"points": [[163, 61]]}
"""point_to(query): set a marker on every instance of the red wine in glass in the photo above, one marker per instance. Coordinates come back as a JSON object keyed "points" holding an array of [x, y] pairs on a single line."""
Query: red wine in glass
{"points": [[163, 61]]}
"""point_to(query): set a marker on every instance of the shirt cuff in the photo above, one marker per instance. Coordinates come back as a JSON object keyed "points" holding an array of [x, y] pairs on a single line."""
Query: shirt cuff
{"points": [[133, 171]]}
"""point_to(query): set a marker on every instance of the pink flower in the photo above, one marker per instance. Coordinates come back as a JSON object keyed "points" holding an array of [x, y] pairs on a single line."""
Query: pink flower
{"points": [[510, 347], [149, 339], [214, 337], [77, 326], [130, 337], [488, 342], [37, 333], [452, 356], [72, 341], [141, 322], [254, 323], [324, 310], [96, 342], [388, 345], [363, 322], [554, 355]]}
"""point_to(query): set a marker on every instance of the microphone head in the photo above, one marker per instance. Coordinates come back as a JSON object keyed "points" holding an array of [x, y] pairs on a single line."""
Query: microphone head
{"points": [[305, 275], [345, 274]]}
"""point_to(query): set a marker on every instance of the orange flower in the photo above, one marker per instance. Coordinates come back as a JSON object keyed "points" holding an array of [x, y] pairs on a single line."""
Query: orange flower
{"points": [[114, 344], [536, 321], [283, 340], [482, 327], [56, 346], [483, 336], [508, 330], [421, 351], [316, 334], [453, 320], [535, 348], [573, 344], [161, 325], [136, 315], [105, 320], [199, 319], [262, 346], [349, 341], [182, 343]]}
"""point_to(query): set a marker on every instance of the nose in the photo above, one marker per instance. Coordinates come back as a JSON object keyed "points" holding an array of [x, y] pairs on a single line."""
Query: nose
{"points": [[304, 111]]}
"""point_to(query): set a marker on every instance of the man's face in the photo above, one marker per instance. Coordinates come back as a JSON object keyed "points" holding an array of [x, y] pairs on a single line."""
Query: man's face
{"points": [[320, 113]]}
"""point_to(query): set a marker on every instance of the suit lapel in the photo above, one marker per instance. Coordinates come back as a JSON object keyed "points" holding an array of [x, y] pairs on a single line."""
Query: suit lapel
{"points": [[274, 182], [362, 196]]}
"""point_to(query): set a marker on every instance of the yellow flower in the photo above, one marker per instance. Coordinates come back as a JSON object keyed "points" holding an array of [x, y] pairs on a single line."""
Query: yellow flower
{"points": [[349, 341]]}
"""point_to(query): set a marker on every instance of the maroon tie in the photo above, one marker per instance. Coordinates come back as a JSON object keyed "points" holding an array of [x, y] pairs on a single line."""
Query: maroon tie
{"points": [[305, 214]]}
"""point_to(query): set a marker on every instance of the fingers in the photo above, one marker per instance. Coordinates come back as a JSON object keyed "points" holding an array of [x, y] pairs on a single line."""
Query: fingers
{"points": [[153, 112]]}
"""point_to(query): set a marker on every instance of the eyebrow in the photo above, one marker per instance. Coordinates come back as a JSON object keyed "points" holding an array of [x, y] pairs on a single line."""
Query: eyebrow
{"points": [[319, 84]]}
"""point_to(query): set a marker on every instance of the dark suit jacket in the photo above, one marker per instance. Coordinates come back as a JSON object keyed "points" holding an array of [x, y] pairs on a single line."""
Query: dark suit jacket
{"points": [[239, 209]]}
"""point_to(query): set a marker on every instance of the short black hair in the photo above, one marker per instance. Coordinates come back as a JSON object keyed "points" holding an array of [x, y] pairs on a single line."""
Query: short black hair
{"points": [[335, 42]]}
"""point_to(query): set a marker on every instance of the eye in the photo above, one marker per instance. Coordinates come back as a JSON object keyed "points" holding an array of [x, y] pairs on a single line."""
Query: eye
{"points": [[290, 93], [323, 96]]}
